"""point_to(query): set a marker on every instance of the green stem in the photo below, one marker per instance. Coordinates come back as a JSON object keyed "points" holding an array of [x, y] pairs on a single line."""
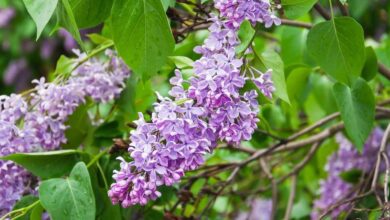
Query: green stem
{"points": [[20, 212], [97, 157]]}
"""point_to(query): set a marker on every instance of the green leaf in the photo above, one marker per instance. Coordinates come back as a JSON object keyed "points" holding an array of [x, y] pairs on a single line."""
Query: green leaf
{"points": [[371, 65], [142, 34], [182, 62], [47, 164], [168, 3], [246, 33], [80, 126], [351, 176], [297, 82], [297, 8], [89, 13], [338, 47], [273, 61], [65, 66], [41, 11], [36, 212], [357, 107], [67, 20], [69, 198]]}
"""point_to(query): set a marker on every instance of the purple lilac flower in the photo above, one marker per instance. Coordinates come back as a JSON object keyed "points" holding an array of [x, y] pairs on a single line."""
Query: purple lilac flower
{"points": [[236, 11], [188, 125], [6, 15], [346, 158], [264, 82], [217, 83], [44, 117], [101, 81]]}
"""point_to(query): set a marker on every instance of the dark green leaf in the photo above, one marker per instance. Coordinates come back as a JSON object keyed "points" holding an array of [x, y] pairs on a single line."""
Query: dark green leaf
{"points": [[89, 13], [357, 107], [41, 11], [142, 34], [371, 66], [47, 164], [338, 47], [351, 176], [297, 8], [79, 127], [69, 198]]}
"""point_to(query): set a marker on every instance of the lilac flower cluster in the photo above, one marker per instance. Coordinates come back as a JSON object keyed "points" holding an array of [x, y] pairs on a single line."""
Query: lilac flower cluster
{"points": [[236, 11], [187, 126], [39, 123], [346, 158]]}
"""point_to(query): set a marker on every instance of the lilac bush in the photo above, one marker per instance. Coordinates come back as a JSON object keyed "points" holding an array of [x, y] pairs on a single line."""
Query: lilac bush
{"points": [[188, 126], [44, 113]]}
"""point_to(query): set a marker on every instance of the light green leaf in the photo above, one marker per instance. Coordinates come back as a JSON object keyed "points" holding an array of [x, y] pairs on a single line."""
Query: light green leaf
{"points": [[67, 20], [182, 62], [41, 11], [338, 47], [297, 8], [89, 13], [246, 33], [357, 107], [168, 3], [297, 82], [71, 198], [47, 164], [273, 61], [142, 34]]}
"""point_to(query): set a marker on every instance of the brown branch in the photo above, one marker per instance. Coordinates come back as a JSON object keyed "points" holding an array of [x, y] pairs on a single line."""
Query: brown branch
{"points": [[296, 23], [384, 70], [322, 11]]}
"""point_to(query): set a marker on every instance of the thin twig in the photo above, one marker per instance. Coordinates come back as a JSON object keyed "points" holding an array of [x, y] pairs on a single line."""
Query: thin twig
{"points": [[274, 186], [290, 203], [378, 161], [386, 181], [296, 23]]}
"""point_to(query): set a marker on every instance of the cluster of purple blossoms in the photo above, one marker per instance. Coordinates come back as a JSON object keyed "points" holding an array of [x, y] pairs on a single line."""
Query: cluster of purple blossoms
{"points": [[217, 83], [236, 11], [39, 123], [188, 125], [347, 158]]}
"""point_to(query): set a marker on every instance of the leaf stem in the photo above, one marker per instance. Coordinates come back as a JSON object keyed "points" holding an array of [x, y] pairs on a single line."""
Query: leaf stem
{"points": [[20, 212], [97, 157]]}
